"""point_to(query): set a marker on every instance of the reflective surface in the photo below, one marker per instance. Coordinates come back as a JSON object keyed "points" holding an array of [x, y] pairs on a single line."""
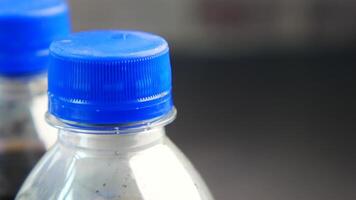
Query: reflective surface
{"points": [[141, 166]]}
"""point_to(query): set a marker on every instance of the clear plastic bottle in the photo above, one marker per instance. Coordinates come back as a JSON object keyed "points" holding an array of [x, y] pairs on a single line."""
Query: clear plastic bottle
{"points": [[20, 147], [110, 97], [26, 29]]}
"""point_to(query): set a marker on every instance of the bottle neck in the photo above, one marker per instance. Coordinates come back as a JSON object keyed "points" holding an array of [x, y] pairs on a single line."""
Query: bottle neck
{"points": [[22, 88], [117, 143], [130, 137]]}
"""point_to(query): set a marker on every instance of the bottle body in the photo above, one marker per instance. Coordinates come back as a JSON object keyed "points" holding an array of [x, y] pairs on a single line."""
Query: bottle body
{"points": [[135, 166], [20, 146]]}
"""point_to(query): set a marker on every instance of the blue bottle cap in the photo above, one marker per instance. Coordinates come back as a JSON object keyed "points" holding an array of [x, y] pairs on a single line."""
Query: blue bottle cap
{"points": [[27, 27], [109, 77]]}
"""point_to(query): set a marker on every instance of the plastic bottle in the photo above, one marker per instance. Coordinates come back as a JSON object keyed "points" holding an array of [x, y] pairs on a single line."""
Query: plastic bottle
{"points": [[26, 29], [110, 97]]}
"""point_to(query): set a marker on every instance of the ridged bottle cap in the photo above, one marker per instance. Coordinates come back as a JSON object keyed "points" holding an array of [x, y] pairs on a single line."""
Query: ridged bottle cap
{"points": [[110, 77], [27, 28]]}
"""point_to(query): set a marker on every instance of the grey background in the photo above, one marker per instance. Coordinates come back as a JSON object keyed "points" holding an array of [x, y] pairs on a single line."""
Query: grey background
{"points": [[264, 90]]}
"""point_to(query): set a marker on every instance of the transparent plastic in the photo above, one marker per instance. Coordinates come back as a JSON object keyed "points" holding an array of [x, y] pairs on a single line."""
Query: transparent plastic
{"points": [[20, 145], [114, 163]]}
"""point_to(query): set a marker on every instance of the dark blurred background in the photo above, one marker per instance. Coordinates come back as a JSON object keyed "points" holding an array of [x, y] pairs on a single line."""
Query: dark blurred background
{"points": [[264, 89]]}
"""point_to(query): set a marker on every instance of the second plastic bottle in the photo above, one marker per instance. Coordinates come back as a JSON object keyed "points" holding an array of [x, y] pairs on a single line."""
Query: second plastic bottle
{"points": [[27, 28]]}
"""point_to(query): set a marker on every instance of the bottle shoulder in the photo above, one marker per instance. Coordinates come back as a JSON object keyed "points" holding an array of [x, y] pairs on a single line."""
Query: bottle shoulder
{"points": [[160, 171]]}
